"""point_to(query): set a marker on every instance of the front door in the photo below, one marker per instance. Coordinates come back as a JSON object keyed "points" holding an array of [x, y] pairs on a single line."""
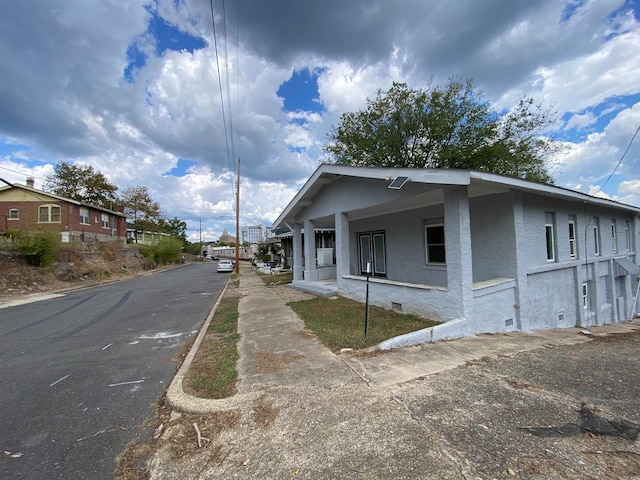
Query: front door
{"points": [[372, 254]]}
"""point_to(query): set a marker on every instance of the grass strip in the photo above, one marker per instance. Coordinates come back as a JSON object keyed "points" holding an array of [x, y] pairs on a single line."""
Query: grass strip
{"points": [[339, 322], [213, 372], [276, 279]]}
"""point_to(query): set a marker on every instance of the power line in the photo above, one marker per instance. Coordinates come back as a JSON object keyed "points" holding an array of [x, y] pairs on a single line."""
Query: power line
{"points": [[619, 162]]}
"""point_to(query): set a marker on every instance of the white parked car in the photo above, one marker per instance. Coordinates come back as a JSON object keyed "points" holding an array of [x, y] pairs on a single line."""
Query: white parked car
{"points": [[225, 266]]}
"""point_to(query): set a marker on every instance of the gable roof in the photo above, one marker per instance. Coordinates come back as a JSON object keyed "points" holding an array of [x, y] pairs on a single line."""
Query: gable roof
{"points": [[479, 183], [38, 194]]}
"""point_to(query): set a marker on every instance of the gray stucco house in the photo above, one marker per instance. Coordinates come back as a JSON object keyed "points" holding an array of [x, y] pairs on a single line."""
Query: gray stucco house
{"points": [[480, 252]]}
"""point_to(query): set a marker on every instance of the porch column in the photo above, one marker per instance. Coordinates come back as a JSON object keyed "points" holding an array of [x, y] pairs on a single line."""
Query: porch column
{"points": [[342, 246], [310, 263], [298, 263], [523, 314], [457, 234]]}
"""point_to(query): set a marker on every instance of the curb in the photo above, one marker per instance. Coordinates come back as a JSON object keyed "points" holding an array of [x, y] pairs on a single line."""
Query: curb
{"points": [[179, 400]]}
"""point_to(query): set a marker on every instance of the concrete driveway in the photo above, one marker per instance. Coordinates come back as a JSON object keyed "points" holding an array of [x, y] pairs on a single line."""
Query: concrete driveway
{"points": [[494, 406]]}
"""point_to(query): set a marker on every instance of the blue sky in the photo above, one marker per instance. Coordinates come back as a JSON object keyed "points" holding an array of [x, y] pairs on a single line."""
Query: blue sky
{"points": [[142, 91]]}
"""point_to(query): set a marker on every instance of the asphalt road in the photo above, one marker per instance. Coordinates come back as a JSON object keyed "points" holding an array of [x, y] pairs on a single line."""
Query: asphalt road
{"points": [[80, 374]]}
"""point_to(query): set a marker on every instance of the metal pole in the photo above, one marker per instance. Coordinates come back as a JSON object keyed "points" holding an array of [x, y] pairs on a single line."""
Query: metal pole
{"points": [[238, 221], [366, 306]]}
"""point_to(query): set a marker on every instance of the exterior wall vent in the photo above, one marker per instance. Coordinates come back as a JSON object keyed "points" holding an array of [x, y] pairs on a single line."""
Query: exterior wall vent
{"points": [[396, 306], [560, 316], [508, 322]]}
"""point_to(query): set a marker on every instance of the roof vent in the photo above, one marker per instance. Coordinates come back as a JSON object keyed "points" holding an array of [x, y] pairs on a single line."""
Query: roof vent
{"points": [[398, 183]]}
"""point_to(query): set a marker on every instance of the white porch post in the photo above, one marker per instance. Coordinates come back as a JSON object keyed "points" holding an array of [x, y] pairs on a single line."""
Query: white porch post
{"points": [[457, 234], [521, 246], [298, 263], [342, 246], [310, 263]]}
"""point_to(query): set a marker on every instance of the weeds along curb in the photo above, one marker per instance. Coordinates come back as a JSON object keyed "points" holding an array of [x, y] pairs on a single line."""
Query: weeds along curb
{"points": [[183, 402]]}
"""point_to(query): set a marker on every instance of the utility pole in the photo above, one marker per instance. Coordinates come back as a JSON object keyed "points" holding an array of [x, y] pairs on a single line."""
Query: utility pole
{"points": [[200, 253], [238, 220]]}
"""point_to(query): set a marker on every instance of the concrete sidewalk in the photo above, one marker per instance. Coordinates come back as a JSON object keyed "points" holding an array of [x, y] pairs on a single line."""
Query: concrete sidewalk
{"points": [[303, 412], [276, 349]]}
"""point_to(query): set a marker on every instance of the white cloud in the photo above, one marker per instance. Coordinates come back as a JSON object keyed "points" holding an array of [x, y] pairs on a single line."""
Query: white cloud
{"points": [[64, 96], [581, 121]]}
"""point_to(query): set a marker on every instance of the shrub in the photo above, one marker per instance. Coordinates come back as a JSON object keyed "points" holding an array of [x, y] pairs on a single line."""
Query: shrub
{"points": [[168, 250], [39, 250]]}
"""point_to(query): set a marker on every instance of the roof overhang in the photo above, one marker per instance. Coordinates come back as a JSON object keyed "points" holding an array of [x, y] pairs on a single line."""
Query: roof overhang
{"points": [[480, 183]]}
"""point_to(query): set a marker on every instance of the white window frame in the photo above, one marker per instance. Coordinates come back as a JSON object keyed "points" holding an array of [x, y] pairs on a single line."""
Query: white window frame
{"points": [[550, 242], [84, 216], [585, 296], [105, 220], [596, 237], [428, 245], [14, 214], [573, 241], [614, 237], [51, 210], [627, 235]]}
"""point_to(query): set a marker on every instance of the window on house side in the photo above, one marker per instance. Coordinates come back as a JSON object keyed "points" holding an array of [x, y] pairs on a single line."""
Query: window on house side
{"points": [[48, 214], [14, 214], [596, 238], [105, 220], [435, 247], [551, 242], [573, 244], [614, 238], [585, 296], [627, 235], [84, 215]]}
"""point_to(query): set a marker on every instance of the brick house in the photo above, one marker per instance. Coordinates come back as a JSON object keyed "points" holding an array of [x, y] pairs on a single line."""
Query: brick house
{"points": [[23, 207]]}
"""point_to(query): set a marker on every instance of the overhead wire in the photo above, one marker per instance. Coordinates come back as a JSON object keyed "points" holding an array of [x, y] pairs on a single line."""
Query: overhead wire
{"points": [[618, 164]]}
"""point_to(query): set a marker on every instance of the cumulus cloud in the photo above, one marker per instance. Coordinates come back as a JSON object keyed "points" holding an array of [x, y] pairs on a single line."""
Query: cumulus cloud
{"points": [[65, 95]]}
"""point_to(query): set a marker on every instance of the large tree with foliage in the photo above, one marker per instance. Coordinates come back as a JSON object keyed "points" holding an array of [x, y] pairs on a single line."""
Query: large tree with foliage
{"points": [[174, 227], [450, 127], [140, 209], [82, 183]]}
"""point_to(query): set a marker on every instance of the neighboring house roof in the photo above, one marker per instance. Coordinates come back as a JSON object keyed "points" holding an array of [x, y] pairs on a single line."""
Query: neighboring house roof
{"points": [[480, 183], [43, 196]]}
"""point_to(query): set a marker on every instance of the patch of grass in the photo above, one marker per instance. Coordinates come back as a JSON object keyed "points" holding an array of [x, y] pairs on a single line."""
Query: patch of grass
{"points": [[213, 373], [339, 322], [279, 279]]}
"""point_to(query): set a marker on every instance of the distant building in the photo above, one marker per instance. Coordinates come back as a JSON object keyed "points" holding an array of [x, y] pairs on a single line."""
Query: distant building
{"points": [[251, 234], [226, 238]]}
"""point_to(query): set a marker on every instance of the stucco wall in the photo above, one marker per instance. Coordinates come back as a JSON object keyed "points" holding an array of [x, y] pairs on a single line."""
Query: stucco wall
{"points": [[550, 294], [493, 308], [404, 244], [433, 303], [492, 237]]}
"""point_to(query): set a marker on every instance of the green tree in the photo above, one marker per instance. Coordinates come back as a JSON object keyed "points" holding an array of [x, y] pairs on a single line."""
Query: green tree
{"points": [[450, 127], [82, 183], [140, 209], [174, 227]]}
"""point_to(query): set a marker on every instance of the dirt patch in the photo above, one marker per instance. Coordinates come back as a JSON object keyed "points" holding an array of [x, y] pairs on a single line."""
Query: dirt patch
{"points": [[183, 436], [270, 362], [17, 279], [264, 413], [131, 463]]}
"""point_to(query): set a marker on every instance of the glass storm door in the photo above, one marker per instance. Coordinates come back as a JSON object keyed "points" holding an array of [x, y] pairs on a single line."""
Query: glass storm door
{"points": [[372, 253]]}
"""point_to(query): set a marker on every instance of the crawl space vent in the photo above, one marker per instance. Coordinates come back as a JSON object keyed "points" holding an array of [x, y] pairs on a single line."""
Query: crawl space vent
{"points": [[396, 306]]}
